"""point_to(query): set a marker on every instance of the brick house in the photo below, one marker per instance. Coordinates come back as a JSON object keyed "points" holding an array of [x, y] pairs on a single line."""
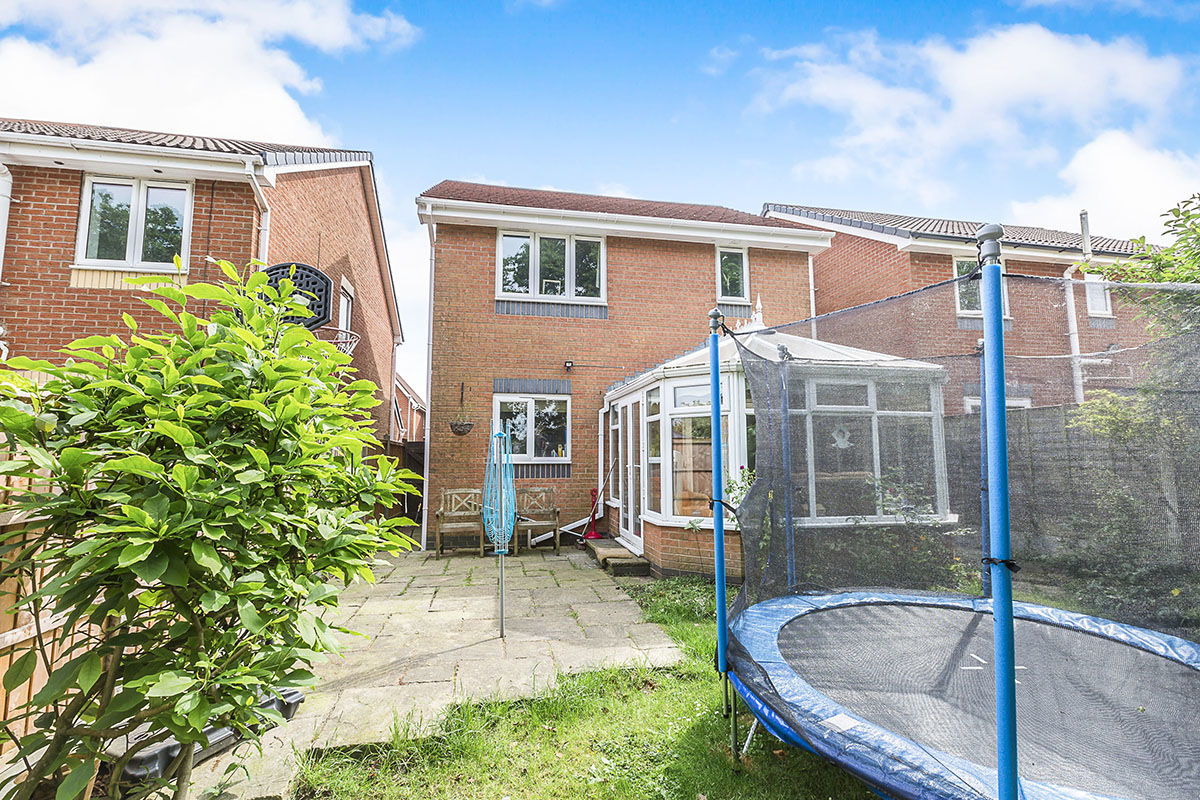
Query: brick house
{"points": [[541, 300], [83, 207], [877, 255], [612, 353]]}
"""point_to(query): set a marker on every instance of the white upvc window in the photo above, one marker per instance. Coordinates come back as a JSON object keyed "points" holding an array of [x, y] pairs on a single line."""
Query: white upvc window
{"points": [[539, 426], [133, 224], [654, 458], [612, 474], [550, 266], [733, 275], [968, 295], [1099, 298], [972, 403]]}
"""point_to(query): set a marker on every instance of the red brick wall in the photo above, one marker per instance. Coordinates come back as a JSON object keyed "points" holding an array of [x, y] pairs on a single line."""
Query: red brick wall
{"points": [[322, 218], [39, 307], [679, 551], [857, 270], [659, 295]]}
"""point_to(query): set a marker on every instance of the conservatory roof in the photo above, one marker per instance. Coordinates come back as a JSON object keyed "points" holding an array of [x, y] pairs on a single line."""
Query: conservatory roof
{"points": [[766, 342]]}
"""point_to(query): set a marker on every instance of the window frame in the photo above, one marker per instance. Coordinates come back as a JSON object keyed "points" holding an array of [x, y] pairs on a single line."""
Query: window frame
{"points": [[1107, 310], [958, 309], [972, 402], [346, 299], [135, 235], [534, 294], [735, 299], [530, 400]]}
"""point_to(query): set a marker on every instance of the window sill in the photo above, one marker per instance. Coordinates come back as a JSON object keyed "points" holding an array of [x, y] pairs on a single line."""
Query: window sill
{"points": [[1101, 316], [579, 301], [148, 269]]}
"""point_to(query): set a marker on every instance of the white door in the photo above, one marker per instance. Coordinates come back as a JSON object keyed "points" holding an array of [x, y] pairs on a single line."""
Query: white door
{"points": [[632, 483]]}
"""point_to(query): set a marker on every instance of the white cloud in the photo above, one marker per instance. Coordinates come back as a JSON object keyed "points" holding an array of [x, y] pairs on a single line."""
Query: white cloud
{"points": [[214, 67], [719, 59], [1146, 8], [909, 109], [612, 189], [1125, 185]]}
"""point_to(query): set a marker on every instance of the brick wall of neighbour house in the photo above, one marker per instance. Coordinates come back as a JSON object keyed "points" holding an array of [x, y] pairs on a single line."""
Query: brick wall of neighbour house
{"points": [[322, 218], [659, 294], [856, 270], [40, 307]]}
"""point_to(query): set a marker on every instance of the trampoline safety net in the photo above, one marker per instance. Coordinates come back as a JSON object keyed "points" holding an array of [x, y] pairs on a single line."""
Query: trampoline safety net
{"points": [[863, 620]]}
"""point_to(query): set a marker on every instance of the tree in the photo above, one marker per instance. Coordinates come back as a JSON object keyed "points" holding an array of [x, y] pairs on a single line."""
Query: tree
{"points": [[205, 492], [1178, 262]]}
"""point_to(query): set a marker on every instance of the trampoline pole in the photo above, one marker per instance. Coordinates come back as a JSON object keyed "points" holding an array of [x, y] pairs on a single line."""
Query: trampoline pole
{"points": [[985, 544], [718, 485], [999, 559]]}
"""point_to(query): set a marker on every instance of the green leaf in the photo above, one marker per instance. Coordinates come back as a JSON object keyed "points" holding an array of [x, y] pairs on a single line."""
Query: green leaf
{"points": [[293, 336], [250, 476], [136, 464], [130, 322], [212, 600], [20, 670], [206, 291], [74, 458], [182, 436], [259, 457], [206, 555], [90, 671], [133, 553], [151, 568], [88, 342], [250, 617], [76, 783], [171, 684]]}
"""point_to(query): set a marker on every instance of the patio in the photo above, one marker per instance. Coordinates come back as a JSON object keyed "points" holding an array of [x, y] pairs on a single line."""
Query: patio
{"points": [[433, 628]]}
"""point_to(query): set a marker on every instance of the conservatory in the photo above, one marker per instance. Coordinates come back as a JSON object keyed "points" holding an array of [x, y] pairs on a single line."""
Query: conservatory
{"points": [[866, 445]]}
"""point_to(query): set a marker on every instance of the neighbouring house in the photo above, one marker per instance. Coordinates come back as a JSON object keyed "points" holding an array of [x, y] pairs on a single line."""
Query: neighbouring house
{"points": [[877, 255], [83, 207], [407, 439], [541, 300]]}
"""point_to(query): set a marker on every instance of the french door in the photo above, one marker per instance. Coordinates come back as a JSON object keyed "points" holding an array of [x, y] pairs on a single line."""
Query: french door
{"points": [[629, 467]]}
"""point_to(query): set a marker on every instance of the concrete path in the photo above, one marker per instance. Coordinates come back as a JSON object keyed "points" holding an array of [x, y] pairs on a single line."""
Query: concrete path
{"points": [[434, 640]]}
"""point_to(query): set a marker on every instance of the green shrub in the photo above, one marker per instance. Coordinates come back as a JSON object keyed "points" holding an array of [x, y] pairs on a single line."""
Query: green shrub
{"points": [[205, 492]]}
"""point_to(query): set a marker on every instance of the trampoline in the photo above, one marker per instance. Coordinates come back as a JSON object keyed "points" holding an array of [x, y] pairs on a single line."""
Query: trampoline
{"points": [[900, 503], [916, 719]]}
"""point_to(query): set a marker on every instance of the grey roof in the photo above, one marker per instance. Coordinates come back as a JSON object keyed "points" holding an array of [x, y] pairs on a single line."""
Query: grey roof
{"points": [[271, 154], [911, 227]]}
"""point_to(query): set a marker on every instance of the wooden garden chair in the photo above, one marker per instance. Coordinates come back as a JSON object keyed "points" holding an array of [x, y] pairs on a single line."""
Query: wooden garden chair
{"points": [[537, 511], [461, 513]]}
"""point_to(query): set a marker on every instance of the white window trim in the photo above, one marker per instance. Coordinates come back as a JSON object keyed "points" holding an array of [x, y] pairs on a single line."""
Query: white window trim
{"points": [[614, 437], [534, 294], [958, 309], [137, 220], [1106, 311], [525, 458], [734, 415], [661, 417], [745, 252], [347, 292], [971, 403]]}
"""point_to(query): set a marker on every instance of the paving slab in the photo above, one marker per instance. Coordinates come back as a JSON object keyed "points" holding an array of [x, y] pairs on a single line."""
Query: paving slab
{"points": [[433, 627]]}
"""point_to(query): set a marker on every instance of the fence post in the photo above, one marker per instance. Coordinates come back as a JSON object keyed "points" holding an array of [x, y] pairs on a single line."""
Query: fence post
{"points": [[999, 560]]}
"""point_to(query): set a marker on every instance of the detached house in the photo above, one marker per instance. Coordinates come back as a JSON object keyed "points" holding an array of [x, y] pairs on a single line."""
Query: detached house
{"points": [[571, 320], [541, 300], [84, 207]]}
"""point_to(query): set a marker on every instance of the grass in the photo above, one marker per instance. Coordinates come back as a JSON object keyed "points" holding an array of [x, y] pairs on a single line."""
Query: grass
{"points": [[653, 734]]}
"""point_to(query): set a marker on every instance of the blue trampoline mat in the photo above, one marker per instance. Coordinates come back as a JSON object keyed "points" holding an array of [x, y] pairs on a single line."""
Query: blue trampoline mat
{"points": [[899, 690]]}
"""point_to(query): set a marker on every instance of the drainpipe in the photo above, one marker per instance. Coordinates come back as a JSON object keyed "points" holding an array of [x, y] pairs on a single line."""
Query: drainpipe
{"points": [[264, 226], [1072, 321], [812, 298], [6, 183], [428, 384]]}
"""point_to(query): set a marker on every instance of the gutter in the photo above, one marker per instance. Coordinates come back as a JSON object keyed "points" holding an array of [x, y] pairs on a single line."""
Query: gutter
{"points": [[812, 298], [428, 377], [264, 227], [6, 184]]}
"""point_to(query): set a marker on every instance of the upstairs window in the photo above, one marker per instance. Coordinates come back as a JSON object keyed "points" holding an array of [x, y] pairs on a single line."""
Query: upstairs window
{"points": [[550, 267], [346, 310], [733, 275], [1099, 299], [135, 224], [969, 294]]}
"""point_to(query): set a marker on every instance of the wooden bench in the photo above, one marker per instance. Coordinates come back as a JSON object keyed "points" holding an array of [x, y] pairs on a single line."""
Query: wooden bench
{"points": [[537, 511], [461, 513]]}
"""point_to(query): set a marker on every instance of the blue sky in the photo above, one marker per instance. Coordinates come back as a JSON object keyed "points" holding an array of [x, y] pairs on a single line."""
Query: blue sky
{"points": [[1024, 111]]}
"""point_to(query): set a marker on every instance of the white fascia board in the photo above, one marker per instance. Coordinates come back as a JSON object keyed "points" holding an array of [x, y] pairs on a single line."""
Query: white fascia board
{"points": [[946, 246], [270, 172], [124, 159], [460, 212]]}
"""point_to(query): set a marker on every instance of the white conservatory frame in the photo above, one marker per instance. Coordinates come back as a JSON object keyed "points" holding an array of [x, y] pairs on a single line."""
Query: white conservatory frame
{"points": [[734, 405]]}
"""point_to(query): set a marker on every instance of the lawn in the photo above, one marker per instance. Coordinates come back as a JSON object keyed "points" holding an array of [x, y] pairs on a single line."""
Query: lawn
{"points": [[629, 734]]}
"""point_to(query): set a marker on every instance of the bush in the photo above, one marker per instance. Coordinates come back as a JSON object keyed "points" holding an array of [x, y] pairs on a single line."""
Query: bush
{"points": [[205, 492]]}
